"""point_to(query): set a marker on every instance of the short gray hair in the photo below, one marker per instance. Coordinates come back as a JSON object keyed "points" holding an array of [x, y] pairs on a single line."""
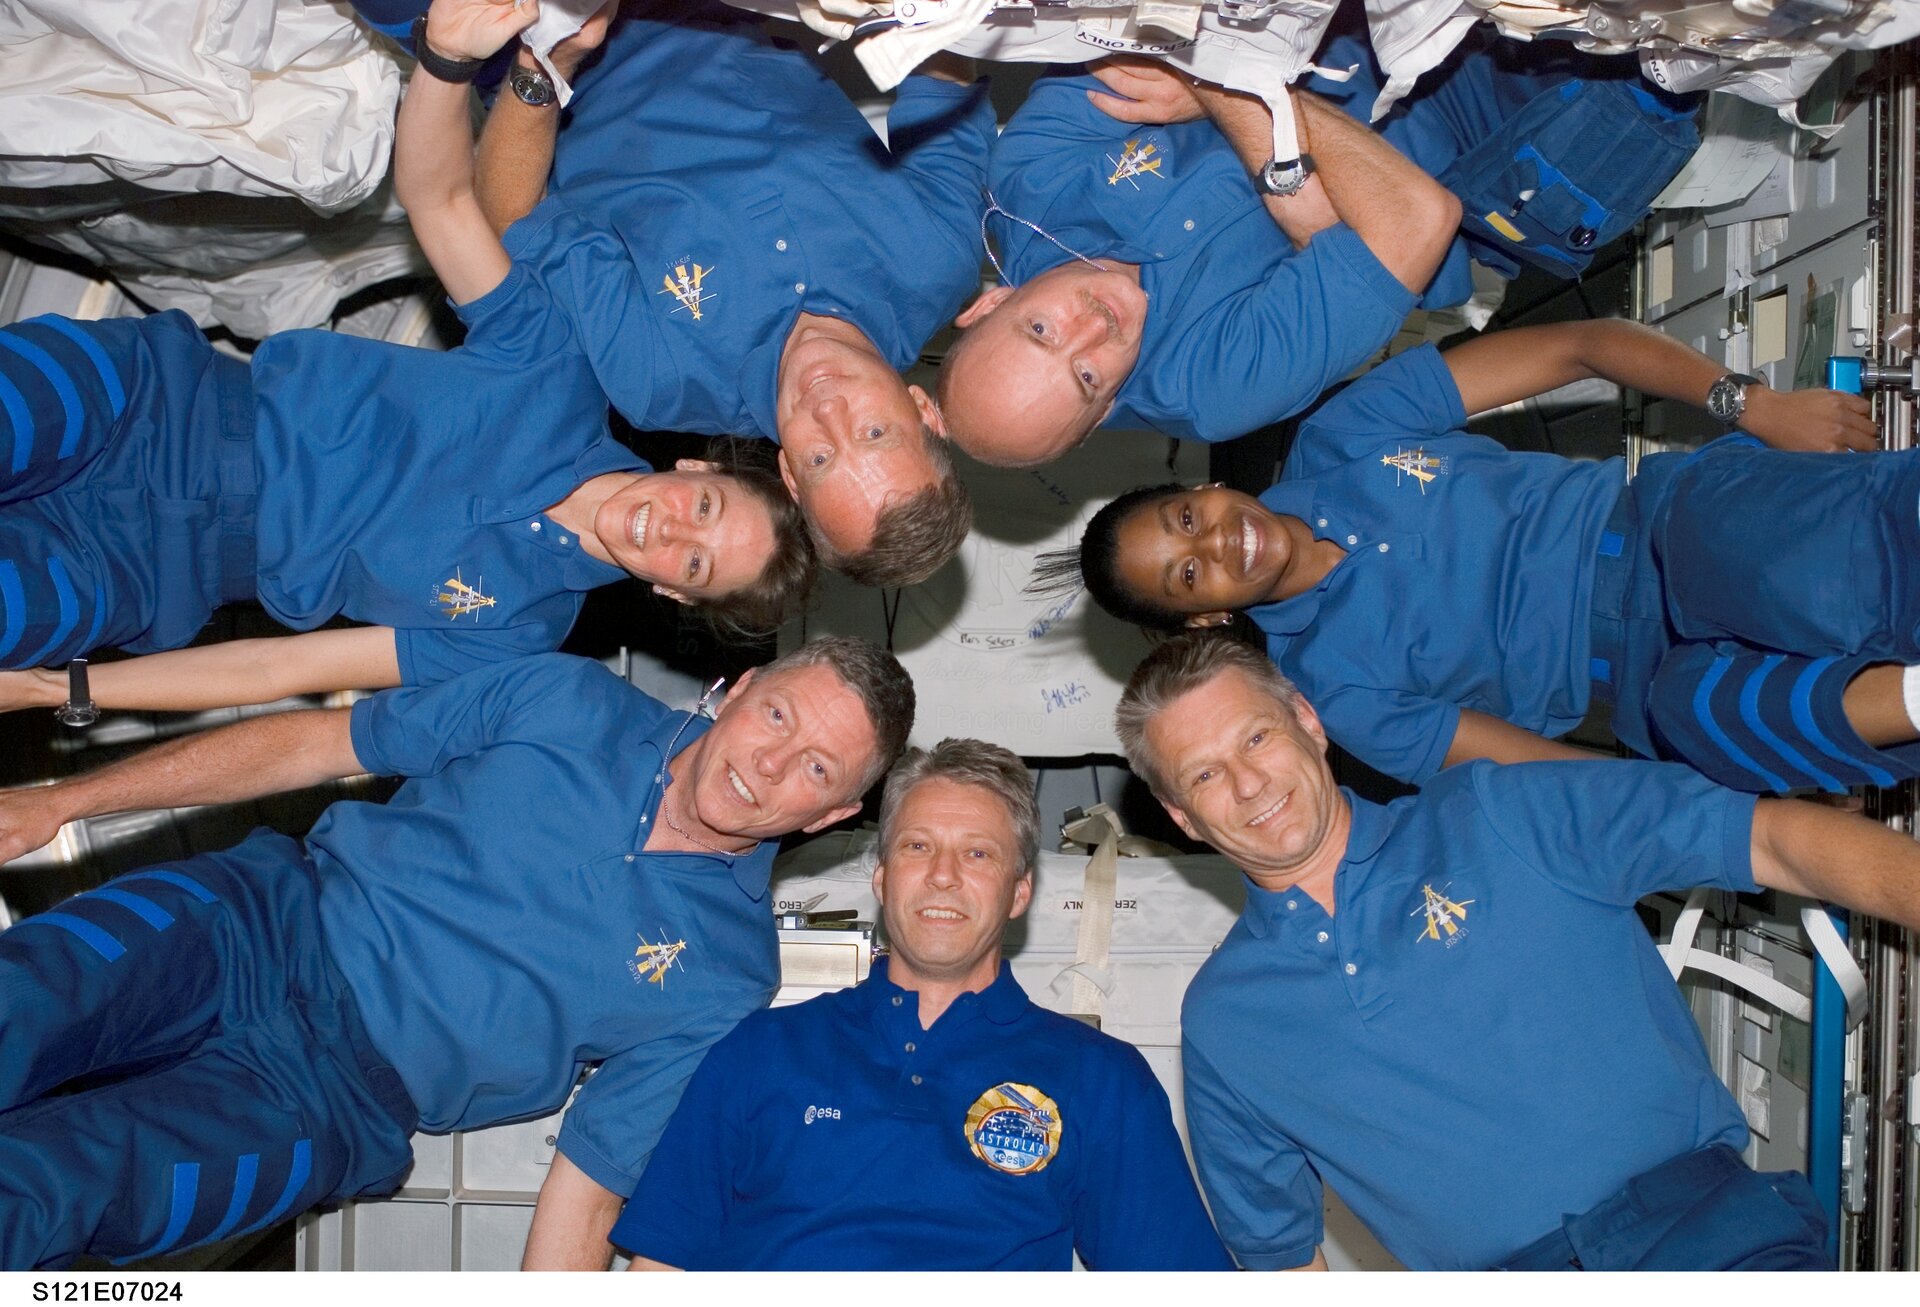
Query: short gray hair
{"points": [[876, 676], [969, 762], [912, 539], [1178, 667]]}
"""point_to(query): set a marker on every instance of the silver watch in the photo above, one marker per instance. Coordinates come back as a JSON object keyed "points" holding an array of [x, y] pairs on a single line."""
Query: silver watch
{"points": [[1727, 398], [1283, 178], [532, 85]]}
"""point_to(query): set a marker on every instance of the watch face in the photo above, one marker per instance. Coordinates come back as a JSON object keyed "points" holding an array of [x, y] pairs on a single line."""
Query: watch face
{"points": [[532, 86], [1723, 401]]}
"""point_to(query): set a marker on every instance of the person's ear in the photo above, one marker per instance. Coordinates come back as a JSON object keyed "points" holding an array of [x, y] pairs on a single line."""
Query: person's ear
{"points": [[929, 409], [786, 475], [1022, 896], [695, 465], [734, 693], [1202, 621], [984, 303], [668, 592], [1181, 820]]}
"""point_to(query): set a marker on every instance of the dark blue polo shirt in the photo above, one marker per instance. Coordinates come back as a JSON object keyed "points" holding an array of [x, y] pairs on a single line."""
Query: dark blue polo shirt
{"points": [[408, 487], [1242, 329], [501, 925], [838, 1134], [710, 187], [1468, 580], [1483, 1038]]}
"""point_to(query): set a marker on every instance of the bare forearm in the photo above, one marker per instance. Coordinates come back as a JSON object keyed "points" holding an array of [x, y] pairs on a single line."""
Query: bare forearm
{"points": [[1405, 217], [433, 144], [1816, 851], [516, 154], [571, 1221], [1481, 735], [264, 755], [225, 675], [1247, 125]]}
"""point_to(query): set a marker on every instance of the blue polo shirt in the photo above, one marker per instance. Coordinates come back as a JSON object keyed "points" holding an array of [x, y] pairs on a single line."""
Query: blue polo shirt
{"points": [[1242, 330], [501, 924], [710, 187], [408, 487], [1483, 1038], [1468, 580], [838, 1134]]}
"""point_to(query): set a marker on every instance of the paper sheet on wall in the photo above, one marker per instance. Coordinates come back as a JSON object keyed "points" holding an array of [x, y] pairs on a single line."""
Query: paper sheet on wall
{"points": [[1038, 676], [1741, 145]]}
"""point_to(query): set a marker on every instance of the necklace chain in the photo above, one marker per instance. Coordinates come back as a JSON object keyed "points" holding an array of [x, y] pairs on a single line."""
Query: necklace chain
{"points": [[993, 207], [686, 834]]}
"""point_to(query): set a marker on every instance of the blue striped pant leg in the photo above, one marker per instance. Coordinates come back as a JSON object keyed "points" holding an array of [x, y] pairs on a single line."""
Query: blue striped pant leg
{"points": [[60, 596], [67, 389], [130, 972], [1767, 722], [207, 1148]]}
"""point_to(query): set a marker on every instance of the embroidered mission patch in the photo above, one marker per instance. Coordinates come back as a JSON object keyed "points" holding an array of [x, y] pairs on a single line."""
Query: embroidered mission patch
{"points": [[1014, 1128]]}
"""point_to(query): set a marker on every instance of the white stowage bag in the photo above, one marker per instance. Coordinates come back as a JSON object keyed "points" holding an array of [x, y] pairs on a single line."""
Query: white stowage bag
{"points": [[220, 156]]}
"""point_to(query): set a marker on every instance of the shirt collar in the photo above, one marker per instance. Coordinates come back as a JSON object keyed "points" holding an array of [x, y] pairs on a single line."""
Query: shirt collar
{"points": [[751, 870], [1003, 1002], [1290, 616], [1267, 909]]}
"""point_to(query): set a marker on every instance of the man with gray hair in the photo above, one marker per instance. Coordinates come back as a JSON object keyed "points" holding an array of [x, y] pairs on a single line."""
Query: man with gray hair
{"points": [[931, 1117], [1411, 1004], [572, 874]]}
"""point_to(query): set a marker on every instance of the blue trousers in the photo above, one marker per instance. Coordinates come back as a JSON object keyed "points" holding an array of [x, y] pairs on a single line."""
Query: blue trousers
{"points": [[127, 473], [1740, 590], [1705, 1211], [179, 1063], [1552, 153]]}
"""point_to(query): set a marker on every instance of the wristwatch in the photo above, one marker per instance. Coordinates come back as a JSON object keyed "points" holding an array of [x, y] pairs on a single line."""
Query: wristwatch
{"points": [[457, 71], [1727, 398], [532, 85], [1282, 179], [79, 709]]}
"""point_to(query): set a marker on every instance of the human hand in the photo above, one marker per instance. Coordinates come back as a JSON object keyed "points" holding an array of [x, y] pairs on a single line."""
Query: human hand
{"points": [[1144, 91], [567, 55], [29, 819], [474, 29], [1812, 421]]}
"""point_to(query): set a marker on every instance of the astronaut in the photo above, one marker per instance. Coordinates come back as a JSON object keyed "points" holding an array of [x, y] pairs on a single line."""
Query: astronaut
{"points": [[1447, 1007], [739, 255], [572, 874], [932, 1117], [1441, 598]]}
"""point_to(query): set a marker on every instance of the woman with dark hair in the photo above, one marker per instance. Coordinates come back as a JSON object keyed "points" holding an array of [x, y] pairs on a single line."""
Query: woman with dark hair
{"points": [[1438, 597]]}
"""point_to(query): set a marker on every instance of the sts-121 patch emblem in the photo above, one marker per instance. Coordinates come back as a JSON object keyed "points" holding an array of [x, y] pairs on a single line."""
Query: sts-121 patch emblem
{"points": [[1014, 1128], [651, 962], [1418, 464], [1445, 918], [1138, 158], [687, 284], [456, 598]]}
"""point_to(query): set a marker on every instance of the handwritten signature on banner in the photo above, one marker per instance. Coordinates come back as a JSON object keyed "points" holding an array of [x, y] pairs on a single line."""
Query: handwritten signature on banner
{"points": [[1066, 696]]}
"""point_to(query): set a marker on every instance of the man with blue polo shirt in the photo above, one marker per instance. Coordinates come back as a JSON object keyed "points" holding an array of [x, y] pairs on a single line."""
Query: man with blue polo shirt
{"points": [[741, 256], [932, 1117], [1148, 281], [571, 875], [1447, 1007]]}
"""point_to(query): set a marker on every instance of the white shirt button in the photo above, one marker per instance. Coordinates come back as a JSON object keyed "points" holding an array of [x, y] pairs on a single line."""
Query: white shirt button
{"points": [[1323, 937], [565, 541], [1188, 224], [1351, 968], [896, 1000], [799, 288], [1353, 540], [1323, 521], [916, 1080], [1384, 546], [910, 1046], [1292, 904], [779, 245], [630, 856], [534, 525]]}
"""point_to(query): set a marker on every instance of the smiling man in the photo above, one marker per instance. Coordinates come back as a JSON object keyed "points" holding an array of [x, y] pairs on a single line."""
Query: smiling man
{"points": [[930, 1118], [1411, 1003], [741, 256], [572, 874]]}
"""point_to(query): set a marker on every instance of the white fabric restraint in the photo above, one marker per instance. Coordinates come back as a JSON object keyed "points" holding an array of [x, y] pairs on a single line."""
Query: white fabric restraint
{"points": [[1091, 972], [1680, 954]]}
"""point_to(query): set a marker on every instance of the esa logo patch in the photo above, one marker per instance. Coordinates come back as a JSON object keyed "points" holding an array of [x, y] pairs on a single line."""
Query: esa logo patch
{"points": [[821, 1114], [1014, 1128]]}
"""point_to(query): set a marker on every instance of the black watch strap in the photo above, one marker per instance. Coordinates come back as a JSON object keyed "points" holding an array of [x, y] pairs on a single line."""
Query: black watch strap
{"points": [[79, 708], [457, 71]]}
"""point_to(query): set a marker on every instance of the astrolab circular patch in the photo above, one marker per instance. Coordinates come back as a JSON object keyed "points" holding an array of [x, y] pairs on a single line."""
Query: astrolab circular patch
{"points": [[1014, 1128]]}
